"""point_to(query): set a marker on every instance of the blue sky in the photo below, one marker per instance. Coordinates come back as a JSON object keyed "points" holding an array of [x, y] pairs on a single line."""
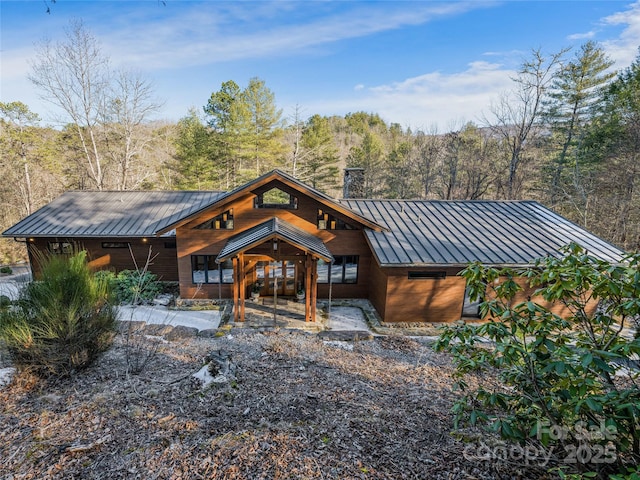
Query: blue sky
{"points": [[422, 64]]}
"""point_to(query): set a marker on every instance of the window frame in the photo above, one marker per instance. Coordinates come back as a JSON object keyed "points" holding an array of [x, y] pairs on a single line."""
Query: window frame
{"points": [[223, 221], [338, 273], [426, 275], [258, 202], [61, 248], [221, 268], [328, 221], [107, 245]]}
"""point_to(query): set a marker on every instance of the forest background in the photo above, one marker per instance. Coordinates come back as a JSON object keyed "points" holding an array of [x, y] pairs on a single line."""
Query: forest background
{"points": [[567, 134]]}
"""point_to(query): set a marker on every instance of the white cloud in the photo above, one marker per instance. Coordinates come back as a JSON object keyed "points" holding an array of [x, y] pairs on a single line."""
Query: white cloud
{"points": [[215, 32], [445, 100], [624, 49], [582, 36]]}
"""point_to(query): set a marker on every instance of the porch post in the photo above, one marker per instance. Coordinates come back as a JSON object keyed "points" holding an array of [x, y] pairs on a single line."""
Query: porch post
{"points": [[236, 275], [314, 288], [243, 285], [308, 316]]}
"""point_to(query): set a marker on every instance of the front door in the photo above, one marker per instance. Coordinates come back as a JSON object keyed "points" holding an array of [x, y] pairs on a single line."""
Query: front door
{"points": [[277, 275]]}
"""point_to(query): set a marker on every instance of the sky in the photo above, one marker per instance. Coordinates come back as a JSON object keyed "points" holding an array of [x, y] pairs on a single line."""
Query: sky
{"points": [[426, 65]]}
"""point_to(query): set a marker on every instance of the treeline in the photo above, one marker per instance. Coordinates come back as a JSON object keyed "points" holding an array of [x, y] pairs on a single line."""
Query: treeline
{"points": [[567, 135]]}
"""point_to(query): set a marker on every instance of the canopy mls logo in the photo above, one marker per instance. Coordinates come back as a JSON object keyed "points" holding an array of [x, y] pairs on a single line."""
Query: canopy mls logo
{"points": [[580, 443]]}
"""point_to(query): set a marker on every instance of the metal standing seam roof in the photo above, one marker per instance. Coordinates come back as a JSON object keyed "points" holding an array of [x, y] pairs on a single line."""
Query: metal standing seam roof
{"points": [[423, 232], [274, 228], [111, 214]]}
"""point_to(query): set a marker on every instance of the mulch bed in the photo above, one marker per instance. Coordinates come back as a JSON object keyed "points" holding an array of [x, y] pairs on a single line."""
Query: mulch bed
{"points": [[298, 408]]}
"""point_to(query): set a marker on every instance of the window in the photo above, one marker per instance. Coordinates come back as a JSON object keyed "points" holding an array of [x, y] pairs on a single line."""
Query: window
{"points": [[204, 269], [60, 248], [469, 308], [224, 221], [343, 270], [326, 221], [170, 244], [276, 198], [115, 244], [427, 275]]}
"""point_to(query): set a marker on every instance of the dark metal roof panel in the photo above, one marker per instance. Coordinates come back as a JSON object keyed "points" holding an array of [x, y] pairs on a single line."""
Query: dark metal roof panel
{"points": [[274, 228], [425, 232], [112, 214]]}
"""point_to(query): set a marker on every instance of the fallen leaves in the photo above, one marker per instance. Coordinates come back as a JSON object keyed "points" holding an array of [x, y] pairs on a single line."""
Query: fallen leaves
{"points": [[298, 409]]}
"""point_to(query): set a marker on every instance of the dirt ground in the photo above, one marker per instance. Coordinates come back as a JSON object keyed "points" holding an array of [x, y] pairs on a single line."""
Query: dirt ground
{"points": [[295, 408]]}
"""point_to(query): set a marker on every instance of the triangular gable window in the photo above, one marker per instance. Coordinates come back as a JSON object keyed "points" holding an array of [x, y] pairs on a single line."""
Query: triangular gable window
{"points": [[224, 221], [276, 198]]}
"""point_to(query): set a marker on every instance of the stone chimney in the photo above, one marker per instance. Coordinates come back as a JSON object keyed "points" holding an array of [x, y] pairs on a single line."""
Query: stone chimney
{"points": [[353, 183]]}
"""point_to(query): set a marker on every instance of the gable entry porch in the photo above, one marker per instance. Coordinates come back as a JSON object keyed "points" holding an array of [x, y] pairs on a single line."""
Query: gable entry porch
{"points": [[278, 257]]}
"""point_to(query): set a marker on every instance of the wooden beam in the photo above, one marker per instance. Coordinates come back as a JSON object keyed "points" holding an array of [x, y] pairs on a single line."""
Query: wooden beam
{"points": [[243, 286], [314, 288], [308, 287], [236, 274]]}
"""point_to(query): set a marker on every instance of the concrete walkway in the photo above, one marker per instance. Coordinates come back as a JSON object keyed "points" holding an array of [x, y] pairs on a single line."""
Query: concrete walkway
{"points": [[10, 285], [157, 315], [347, 318]]}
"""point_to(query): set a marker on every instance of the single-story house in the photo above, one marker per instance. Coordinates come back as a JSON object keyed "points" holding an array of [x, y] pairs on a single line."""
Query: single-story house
{"points": [[278, 235]]}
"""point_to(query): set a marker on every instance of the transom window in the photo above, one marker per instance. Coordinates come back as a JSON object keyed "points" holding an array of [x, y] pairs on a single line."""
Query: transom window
{"points": [[422, 275], [224, 221], [343, 270], [204, 269], [276, 198], [326, 221], [115, 244]]}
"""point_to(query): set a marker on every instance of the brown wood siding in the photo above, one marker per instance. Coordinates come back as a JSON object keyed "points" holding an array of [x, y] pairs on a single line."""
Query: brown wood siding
{"points": [[378, 288], [555, 307], [209, 242], [164, 263], [423, 300]]}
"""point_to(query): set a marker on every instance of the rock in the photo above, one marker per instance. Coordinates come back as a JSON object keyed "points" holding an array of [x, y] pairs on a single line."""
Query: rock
{"points": [[131, 326], [345, 335], [181, 332], [158, 330], [164, 299], [339, 344], [211, 333], [220, 364], [6, 375]]}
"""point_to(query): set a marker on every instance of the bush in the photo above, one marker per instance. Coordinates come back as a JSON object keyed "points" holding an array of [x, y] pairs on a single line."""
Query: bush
{"points": [[5, 302], [62, 322], [6, 270], [562, 383], [134, 286]]}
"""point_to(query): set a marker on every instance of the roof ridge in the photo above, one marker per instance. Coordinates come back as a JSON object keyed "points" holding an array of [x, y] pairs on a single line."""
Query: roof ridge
{"points": [[438, 200]]}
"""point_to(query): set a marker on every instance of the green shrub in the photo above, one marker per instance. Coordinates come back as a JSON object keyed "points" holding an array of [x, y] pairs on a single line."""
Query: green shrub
{"points": [[563, 383], [6, 270], [133, 286], [63, 321], [5, 302]]}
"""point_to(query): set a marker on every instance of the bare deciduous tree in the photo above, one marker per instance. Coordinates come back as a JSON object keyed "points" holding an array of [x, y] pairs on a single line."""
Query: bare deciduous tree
{"points": [[517, 114], [106, 108], [131, 102], [74, 76]]}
